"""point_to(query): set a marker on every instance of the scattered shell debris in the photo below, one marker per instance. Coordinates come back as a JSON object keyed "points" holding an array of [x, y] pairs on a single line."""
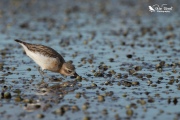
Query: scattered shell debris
{"points": [[127, 59]]}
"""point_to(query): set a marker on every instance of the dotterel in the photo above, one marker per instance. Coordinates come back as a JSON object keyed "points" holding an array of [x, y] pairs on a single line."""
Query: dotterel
{"points": [[48, 59]]}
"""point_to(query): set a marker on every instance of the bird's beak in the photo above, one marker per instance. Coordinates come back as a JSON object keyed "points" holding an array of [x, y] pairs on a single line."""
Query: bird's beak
{"points": [[75, 74]]}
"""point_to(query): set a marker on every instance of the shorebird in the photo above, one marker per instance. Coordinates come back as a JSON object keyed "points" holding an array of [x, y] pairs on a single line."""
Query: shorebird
{"points": [[48, 59]]}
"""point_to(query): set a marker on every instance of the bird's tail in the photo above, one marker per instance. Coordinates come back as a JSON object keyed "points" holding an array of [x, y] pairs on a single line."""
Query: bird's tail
{"points": [[19, 41]]}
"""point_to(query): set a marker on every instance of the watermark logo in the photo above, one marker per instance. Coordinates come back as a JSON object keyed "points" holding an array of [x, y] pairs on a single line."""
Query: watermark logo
{"points": [[163, 8]]}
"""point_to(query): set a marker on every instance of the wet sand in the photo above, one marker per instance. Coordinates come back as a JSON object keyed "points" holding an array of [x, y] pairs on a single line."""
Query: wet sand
{"points": [[128, 59]]}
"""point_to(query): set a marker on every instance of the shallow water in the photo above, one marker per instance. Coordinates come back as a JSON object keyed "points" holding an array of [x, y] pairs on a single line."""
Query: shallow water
{"points": [[104, 40]]}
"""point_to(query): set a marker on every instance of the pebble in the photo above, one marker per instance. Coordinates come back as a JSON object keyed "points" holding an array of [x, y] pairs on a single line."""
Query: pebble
{"points": [[40, 116], [124, 95], [104, 112], [75, 108], [149, 76], [132, 72], [86, 118], [29, 69], [85, 106], [129, 112], [79, 78], [6, 95], [101, 98], [110, 93], [118, 75], [28, 100], [18, 99], [149, 82], [78, 95], [94, 85], [98, 74], [150, 100], [129, 56], [59, 111], [142, 102], [135, 83], [111, 59], [175, 101], [138, 68]]}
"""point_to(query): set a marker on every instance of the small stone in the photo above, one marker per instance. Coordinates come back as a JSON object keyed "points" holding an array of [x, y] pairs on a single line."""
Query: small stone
{"points": [[132, 72], [118, 75], [111, 59], [90, 61], [142, 102], [86, 118], [101, 98], [18, 99], [79, 78], [110, 93], [125, 76], [117, 117], [104, 112], [79, 85], [119, 83], [150, 100], [133, 105], [46, 106], [7, 95], [18, 91], [149, 76], [124, 95], [160, 78], [98, 74], [59, 111], [29, 69], [162, 63], [28, 101], [75, 108], [66, 107], [149, 82], [129, 56], [78, 95], [112, 72], [135, 83], [1, 66], [138, 68], [107, 82], [93, 85], [24, 25], [40, 116], [85, 107], [127, 83], [32, 106], [175, 101], [129, 112], [169, 100], [13, 68], [157, 95], [154, 85]]}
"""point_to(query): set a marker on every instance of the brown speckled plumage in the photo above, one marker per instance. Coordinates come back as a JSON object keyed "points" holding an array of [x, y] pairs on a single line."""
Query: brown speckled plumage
{"points": [[47, 58], [46, 51]]}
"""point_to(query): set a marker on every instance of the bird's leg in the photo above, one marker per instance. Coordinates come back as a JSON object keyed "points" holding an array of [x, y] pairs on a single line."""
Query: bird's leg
{"points": [[40, 71], [44, 74]]}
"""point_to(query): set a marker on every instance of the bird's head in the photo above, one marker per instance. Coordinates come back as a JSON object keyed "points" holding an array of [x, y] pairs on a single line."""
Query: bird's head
{"points": [[68, 69]]}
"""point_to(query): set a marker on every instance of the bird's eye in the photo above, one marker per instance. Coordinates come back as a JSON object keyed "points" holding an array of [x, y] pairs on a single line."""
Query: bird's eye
{"points": [[69, 71]]}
